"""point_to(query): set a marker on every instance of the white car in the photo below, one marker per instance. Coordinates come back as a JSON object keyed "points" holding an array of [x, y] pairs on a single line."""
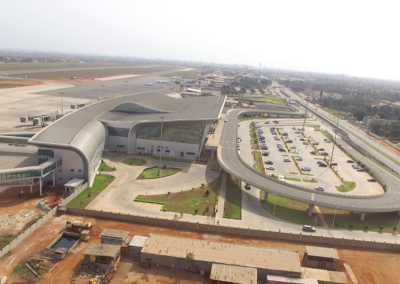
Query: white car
{"points": [[226, 120], [271, 168], [286, 160], [320, 188], [299, 159]]}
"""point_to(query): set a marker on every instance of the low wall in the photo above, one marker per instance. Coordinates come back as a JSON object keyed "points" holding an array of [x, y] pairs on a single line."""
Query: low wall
{"points": [[247, 232], [31, 229]]}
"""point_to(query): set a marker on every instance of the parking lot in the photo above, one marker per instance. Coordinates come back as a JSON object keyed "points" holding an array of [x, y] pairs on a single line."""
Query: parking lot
{"points": [[301, 146]]}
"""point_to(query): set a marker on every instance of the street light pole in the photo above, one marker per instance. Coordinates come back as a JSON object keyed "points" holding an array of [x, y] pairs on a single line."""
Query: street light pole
{"points": [[62, 104], [102, 89], [305, 116], [334, 216], [162, 119], [333, 148], [126, 86], [275, 204]]}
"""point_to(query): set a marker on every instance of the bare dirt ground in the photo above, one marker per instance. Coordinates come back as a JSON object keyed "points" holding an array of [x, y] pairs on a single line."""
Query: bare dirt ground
{"points": [[17, 213], [387, 146], [88, 79], [369, 267], [25, 83]]}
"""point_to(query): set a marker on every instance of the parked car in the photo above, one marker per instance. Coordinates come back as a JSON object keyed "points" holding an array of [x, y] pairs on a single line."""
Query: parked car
{"points": [[361, 170], [324, 153], [320, 188], [286, 160], [264, 147], [299, 159], [261, 136], [272, 128], [305, 169], [305, 143], [371, 180], [356, 167], [327, 140], [226, 120], [307, 228], [321, 149], [239, 140], [293, 147], [313, 152], [289, 141], [297, 132], [265, 153], [315, 143], [277, 138], [269, 162], [302, 139], [323, 165], [271, 168], [267, 122], [275, 121], [247, 186], [282, 150], [319, 162], [350, 161], [334, 164]]}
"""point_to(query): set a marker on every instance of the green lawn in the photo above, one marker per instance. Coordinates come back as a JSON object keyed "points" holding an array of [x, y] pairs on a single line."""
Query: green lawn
{"points": [[154, 172], [187, 201], [288, 210], [104, 168], [172, 159], [134, 162], [273, 100], [259, 162], [6, 86], [327, 135], [86, 196], [310, 180], [233, 200], [293, 179], [348, 186], [254, 138]]}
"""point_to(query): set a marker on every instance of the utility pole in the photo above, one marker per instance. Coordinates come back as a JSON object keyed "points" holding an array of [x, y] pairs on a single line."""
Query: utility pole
{"points": [[102, 89], [333, 222], [162, 119], [62, 104], [126, 87]]}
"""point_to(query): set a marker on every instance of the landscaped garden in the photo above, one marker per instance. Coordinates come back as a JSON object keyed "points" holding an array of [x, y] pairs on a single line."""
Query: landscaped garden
{"points": [[233, 200], [155, 172], [134, 162]]}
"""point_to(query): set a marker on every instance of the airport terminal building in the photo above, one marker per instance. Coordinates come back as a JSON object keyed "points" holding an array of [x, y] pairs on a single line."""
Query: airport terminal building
{"points": [[130, 124]]}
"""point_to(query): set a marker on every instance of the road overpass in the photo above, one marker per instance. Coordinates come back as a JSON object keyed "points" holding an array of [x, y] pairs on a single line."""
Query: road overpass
{"points": [[231, 162]]}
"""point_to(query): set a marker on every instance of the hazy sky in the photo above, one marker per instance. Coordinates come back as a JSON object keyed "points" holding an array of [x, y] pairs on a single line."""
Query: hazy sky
{"points": [[358, 38]]}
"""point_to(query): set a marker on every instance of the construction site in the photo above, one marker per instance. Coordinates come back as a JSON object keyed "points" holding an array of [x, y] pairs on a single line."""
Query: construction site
{"points": [[74, 249]]}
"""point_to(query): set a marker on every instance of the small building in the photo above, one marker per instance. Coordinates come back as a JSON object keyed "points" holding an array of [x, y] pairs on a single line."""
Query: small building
{"points": [[273, 279], [60, 253], [169, 251], [325, 276], [233, 274], [114, 237], [73, 184], [101, 256], [321, 258], [136, 245]]}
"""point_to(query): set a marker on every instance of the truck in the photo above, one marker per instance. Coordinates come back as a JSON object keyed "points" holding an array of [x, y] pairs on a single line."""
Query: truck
{"points": [[78, 225]]}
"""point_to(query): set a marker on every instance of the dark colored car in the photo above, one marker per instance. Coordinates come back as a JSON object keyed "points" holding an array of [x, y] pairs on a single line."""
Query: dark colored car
{"points": [[282, 150], [289, 141], [350, 161], [269, 162], [334, 164], [371, 180], [323, 165], [302, 139], [313, 152], [247, 187], [265, 153]]}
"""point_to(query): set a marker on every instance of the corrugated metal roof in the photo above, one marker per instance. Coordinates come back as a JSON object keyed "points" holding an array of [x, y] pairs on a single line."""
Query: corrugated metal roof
{"points": [[102, 250], [234, 274], [114, 233], [284, 279], [138, 241], [322, 252], [325, 275], [225, 253]]}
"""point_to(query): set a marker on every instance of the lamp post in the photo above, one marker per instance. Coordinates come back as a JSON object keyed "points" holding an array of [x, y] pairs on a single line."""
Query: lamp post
{"points": [[126, 87], [62, 110], [333, 148], [102, 89], [162, 119]]}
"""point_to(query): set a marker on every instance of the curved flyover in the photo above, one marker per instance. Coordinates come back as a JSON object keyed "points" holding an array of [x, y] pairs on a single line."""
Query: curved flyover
{"points": [[230, 161]]}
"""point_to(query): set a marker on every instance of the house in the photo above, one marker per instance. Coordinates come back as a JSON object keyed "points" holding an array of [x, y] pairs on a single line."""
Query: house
{"points": [[114, 237], [321, 258], [101, 256], [136, 245]]}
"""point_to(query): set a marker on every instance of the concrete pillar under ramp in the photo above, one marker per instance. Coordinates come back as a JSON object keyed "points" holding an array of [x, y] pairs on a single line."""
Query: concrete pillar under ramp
{"points": [[54, 178], [362, 217], [40, 183], [398, 213], [238, 182], [310, 209]]}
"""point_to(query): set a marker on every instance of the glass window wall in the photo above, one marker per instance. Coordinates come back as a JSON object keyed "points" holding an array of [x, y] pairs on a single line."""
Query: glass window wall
{"points": [[191, 134]]}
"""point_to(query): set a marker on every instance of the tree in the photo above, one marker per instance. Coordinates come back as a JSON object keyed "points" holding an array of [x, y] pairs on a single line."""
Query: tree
{"points": [[190, 258], [321, 94], [381, 228], [359, 114], [394, 229], [207, 192]]}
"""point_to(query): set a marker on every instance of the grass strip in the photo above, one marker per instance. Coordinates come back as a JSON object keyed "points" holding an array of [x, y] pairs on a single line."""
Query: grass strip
{"points": [[348, 186], [233, 200], [152, 173]]}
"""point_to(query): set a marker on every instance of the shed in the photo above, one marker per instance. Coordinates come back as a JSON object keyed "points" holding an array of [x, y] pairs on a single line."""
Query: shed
{"points": [[73, 184], [320, 257], [273, 279], [136, 245], [325, 276], [60, 253], [113, 237], [233, 274], [101, 256]]}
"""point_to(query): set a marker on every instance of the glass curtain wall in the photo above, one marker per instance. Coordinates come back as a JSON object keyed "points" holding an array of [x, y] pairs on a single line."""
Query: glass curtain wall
{"points": [[191, 134]]}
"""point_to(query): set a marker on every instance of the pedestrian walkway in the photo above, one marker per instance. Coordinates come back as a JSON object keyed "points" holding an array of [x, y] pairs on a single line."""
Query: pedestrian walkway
{"points": [[221, 198]]}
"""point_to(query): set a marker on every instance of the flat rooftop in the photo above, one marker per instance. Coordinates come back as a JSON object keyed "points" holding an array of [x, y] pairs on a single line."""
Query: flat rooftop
{"points": [[322, 252], [234, 274], [138, 241], [283, 279], [224, 253], [325, 275], [111, 233], [102, 250]]}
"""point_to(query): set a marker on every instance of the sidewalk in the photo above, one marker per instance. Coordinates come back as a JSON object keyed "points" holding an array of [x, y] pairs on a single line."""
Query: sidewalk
{"points": [[221, 198]]}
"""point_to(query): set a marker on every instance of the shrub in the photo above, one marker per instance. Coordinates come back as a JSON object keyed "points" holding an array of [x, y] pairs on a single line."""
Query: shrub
{"points": [[394, 229], [196, 210], [202, 185], [169, 193], [381, 228], [88, 194], [351, 226], [207, 192], [366, 228], [336, 224]]}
